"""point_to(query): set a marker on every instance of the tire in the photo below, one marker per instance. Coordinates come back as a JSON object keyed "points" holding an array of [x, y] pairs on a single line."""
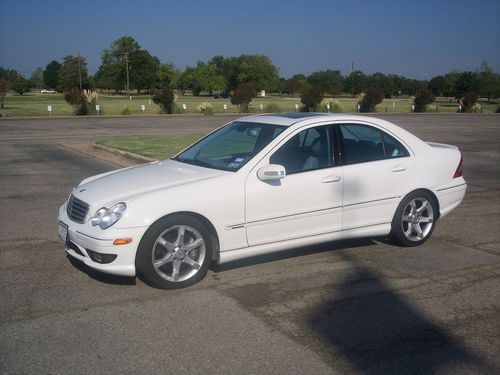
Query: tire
{"points": [[175, 252], [415, 219]]}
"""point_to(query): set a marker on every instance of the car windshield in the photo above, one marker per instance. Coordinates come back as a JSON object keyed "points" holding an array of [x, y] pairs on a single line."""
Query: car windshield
{"points": [[230, 147]]}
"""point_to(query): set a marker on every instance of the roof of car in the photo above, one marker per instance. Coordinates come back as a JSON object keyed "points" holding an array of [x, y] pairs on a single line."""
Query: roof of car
{"points": [[291, 118]]}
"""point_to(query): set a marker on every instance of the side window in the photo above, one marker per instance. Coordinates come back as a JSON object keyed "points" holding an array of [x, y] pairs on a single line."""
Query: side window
{"points": [[308, 150], [365, 143]]}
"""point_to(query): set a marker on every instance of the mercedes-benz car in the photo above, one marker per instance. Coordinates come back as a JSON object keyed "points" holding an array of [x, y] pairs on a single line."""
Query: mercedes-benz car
{"points": [[261, 184]]}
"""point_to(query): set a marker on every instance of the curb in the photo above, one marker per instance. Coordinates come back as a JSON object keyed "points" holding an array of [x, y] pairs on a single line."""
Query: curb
{"points": [[126, 154]]}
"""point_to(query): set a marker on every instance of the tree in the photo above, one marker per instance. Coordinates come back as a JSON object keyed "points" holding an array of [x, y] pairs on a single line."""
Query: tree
{"points": [[422, 99], [143, 68], [208, 77], [383, 82], [328, 81], [243, 95], [36, 79], [441, 86], [21, 85], [167, 74], [184, 79], [51, 74], [489, 82], [357, 79], [259, 70], [370, 98], [311, 96], [466, 82], [165, 98], [69, 74], [469, 101], [292, 86], [7, 76]]}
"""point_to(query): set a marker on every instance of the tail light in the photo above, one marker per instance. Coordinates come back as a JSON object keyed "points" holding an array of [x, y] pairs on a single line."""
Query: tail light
{"points": [[460, 169]]}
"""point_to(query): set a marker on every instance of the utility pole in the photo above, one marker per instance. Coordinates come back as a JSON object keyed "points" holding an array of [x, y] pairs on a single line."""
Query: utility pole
{"points": [[126, 67], [352, 73], [79, 73]]}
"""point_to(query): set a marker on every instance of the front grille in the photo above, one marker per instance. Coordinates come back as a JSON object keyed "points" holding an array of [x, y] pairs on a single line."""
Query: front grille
{"points": [[77, 210]]}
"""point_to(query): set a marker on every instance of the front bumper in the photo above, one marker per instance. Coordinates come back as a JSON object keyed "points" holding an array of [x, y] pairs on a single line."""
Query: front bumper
{"points": [[83, 237]]}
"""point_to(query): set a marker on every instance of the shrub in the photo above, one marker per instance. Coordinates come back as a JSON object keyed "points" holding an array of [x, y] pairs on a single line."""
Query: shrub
{"points": [[469, 102], [422, 99], [165, 99], [370, 98], [206, 108], [311, 96], [21, 85], [335, 106], [243, 95], [272, 108], [126, 111], [497, 110]]}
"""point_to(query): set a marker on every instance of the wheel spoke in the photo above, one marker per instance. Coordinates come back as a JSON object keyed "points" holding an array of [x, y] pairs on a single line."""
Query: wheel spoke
{"points": [[413, 207], [422, 207], [420, 234], [409, 230], [406, 218], [176, 265], [164, 243], [193, 245], [160, 262], [191, 262], [180, 235], [424, 219]]}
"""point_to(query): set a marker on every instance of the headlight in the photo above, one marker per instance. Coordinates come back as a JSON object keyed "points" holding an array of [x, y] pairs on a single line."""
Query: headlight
{"points": [[106, 217]]}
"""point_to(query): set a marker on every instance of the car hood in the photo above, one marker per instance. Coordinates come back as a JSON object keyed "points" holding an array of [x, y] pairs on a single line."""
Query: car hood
{"points": [[125, 184]]}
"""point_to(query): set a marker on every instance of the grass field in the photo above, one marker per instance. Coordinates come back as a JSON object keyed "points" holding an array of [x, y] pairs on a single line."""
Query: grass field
{"points": [[36, 105], [155, 148]]}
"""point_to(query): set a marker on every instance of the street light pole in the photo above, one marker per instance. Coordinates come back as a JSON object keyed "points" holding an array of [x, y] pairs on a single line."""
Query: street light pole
{"points": [[126, 67]]}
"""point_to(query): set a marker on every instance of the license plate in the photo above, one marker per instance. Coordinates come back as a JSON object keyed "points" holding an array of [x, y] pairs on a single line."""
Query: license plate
{"points": [[63, 231]]}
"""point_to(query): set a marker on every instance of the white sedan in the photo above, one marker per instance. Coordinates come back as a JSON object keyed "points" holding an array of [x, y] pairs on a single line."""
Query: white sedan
{"points": [[257, 185]]}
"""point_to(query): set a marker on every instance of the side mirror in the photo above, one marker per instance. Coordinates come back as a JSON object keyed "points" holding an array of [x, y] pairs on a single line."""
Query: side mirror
{"points": [[271, 172]]}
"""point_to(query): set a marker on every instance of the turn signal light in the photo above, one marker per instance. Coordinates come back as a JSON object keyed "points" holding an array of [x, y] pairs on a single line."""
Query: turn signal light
{"points": [[122, 241]]}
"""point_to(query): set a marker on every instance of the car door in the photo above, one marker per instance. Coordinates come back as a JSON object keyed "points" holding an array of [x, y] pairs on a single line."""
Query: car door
{"points": [[376, 170], [308, 201]]}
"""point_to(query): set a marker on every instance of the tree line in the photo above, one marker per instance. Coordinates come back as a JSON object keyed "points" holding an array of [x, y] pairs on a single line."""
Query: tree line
{"points": [[125, 67]]}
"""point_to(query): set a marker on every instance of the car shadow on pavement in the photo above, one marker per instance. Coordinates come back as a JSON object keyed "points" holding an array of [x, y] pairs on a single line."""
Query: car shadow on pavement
{"points": [[375, 330], [99, 276]]}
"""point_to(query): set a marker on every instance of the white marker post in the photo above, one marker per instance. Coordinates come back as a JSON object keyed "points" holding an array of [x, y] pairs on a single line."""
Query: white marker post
{"points": [[261, 107], [97, 109], [149, 101], [359, 108], [184, 108], [296, 107], [225, 108], [460, 109], [393, 104], [49, 109], [328, 107], [413, 107], [143, 109]]}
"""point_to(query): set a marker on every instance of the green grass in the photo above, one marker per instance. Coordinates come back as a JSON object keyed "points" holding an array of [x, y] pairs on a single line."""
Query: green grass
{"points": [[36, 105], [155, 148]]}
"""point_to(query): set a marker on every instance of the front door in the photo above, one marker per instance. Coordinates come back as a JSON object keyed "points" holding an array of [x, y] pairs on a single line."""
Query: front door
{"points": [[308, 201]]}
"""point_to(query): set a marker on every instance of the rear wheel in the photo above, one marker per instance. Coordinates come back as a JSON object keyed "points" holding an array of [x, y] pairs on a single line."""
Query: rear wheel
{"points": [[175, 252], [415, 219]]}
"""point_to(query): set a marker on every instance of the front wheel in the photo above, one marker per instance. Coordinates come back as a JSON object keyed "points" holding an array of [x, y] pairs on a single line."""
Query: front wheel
{"points": [[415, 219], [174, 253]]}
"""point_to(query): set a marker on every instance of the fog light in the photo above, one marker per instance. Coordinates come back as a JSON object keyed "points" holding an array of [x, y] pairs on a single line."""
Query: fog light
{"points": [[101, 258], [122, 241]]}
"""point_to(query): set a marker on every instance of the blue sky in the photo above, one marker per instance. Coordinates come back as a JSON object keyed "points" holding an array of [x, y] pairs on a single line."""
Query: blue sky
{"points": [[418, 39]]}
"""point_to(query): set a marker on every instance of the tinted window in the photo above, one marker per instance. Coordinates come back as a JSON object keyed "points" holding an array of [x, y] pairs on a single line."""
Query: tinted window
{"points": [[308, 150], [365, 143]]}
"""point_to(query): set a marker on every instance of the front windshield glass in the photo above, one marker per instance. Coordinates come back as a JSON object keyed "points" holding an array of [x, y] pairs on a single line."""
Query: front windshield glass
{"points": [[230, 147]]}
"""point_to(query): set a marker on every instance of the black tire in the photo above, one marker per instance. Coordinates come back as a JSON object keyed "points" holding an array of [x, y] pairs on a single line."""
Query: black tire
{"points": [[408, 226], [151, 247]]}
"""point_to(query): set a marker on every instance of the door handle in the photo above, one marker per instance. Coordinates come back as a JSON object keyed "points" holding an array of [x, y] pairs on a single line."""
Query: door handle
{"points": [[398, 168], [333, 178]]}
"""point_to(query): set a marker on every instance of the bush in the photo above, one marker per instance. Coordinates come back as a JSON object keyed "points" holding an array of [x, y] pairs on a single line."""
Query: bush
{"points": [[422, 99], [335, 106], [206, 108], [311, 96], [370, 98], [165, 99], [21, 85], [497, 110], [469, 102], [243, 95], [126, 111], [272, 108]]}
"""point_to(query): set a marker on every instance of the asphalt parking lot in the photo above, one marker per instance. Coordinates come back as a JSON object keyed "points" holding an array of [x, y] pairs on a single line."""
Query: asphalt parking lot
{"points": [[364, 306]]}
